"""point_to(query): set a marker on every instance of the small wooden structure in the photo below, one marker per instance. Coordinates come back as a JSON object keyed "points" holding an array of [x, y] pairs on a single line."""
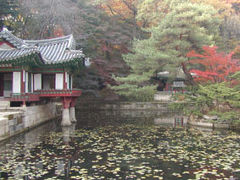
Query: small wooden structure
{"points": [[177, 84], [34, 70]]}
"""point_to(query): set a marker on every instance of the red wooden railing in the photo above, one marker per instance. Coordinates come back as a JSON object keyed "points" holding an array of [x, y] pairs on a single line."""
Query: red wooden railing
{"points": [[51, 93]]}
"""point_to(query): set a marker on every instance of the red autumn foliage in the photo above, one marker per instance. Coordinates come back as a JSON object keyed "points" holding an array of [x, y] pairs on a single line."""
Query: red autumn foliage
{"points": [[217, 65]]}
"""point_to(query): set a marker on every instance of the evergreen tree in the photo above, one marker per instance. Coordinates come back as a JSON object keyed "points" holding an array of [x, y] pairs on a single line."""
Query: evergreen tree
{"points": [[187, 26]]}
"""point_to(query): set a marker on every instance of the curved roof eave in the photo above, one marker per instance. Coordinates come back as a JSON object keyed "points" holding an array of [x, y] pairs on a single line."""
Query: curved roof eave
{"points": [[14, 40], [50, 51], [52, 40]]}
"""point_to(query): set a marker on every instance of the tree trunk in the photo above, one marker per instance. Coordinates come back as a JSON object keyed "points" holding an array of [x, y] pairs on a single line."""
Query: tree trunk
{"points": [[189, 77]]}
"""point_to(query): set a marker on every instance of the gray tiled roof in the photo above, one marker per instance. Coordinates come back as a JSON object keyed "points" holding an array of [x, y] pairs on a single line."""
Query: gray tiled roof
{"points": [[52, 51], [11, 54]]}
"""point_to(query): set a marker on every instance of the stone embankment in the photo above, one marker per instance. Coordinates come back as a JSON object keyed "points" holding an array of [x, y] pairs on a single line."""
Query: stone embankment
{"points": [[14, 120], [211, 122], [100, 105], [145, 109]]}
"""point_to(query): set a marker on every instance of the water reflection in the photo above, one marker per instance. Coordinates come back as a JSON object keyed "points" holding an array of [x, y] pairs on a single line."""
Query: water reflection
{"points": [[62, 168], [117, 145], [173, 120], [68, 132], [30, 138]]}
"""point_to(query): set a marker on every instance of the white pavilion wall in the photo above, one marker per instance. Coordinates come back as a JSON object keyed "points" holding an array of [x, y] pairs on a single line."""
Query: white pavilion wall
{"points": [[67, 79], [26, 82], [37, 81], [32, 83], [16, 82], [59, 81]]}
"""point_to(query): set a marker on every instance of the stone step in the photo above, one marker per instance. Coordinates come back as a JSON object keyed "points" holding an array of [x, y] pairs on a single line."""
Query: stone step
{"points": [[4, 104], [11, 109]]}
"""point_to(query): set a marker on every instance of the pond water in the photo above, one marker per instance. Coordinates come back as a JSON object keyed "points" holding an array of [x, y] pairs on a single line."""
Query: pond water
{"points": [[121, 145]]}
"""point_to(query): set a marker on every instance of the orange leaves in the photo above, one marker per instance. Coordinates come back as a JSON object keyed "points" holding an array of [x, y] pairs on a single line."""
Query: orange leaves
{"points": [[123, 8], [216, 66], [224, 7], [58, 31], [151, 12]]}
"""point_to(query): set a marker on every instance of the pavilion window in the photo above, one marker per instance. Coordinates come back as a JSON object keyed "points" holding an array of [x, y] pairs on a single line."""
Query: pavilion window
{"points": [[70, 82], [29, 84], [48, 81], [7, 84]]}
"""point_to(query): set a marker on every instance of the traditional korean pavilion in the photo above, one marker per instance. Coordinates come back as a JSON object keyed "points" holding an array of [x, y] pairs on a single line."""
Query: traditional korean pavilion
{"points": [[36, 70], [176, 84]]}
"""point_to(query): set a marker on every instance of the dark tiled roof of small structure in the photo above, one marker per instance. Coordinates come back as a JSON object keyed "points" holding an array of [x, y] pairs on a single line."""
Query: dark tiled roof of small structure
{"points": [[52, 51]]}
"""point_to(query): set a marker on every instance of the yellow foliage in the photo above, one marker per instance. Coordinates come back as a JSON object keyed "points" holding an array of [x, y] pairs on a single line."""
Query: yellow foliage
{"points": [[123, 8], [224, 7], [150, 12]]}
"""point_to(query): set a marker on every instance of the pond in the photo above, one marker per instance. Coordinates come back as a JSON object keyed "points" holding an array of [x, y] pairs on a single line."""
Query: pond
{"points": [[121, 145]]}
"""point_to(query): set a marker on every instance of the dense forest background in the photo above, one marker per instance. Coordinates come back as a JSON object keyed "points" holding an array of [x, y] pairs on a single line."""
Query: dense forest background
{"points": [[128, 41]]}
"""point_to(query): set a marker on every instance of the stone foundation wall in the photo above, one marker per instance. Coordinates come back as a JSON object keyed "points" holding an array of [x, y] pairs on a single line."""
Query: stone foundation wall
{"points": [[35, 115], [12, 123], [163, 96], [4, 128], [210, 125], [207, 122], [160, 106]]}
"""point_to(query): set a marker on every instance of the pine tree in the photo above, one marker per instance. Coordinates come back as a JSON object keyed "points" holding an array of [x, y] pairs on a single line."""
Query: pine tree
{"points": [[186, 26]]}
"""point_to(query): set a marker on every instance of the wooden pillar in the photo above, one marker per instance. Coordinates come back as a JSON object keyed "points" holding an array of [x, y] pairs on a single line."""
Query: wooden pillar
{"points": [[65, 80], [72, 110], [24, 104], [66, 101], [33, 83], [167, 87]]}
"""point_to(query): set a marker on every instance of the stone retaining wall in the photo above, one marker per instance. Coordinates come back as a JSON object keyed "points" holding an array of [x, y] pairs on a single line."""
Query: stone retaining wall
{"points": [[160, 106], [12, 123], [210, 125], [163, 96], [35, 115]]}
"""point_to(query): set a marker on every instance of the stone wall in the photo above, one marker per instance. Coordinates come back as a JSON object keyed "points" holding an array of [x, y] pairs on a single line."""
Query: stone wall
{"points": [[208, 122], [4, 129], [163, 96], [159, 106], [35, 115], [12, 123], [171, 119], [210, 125]]}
